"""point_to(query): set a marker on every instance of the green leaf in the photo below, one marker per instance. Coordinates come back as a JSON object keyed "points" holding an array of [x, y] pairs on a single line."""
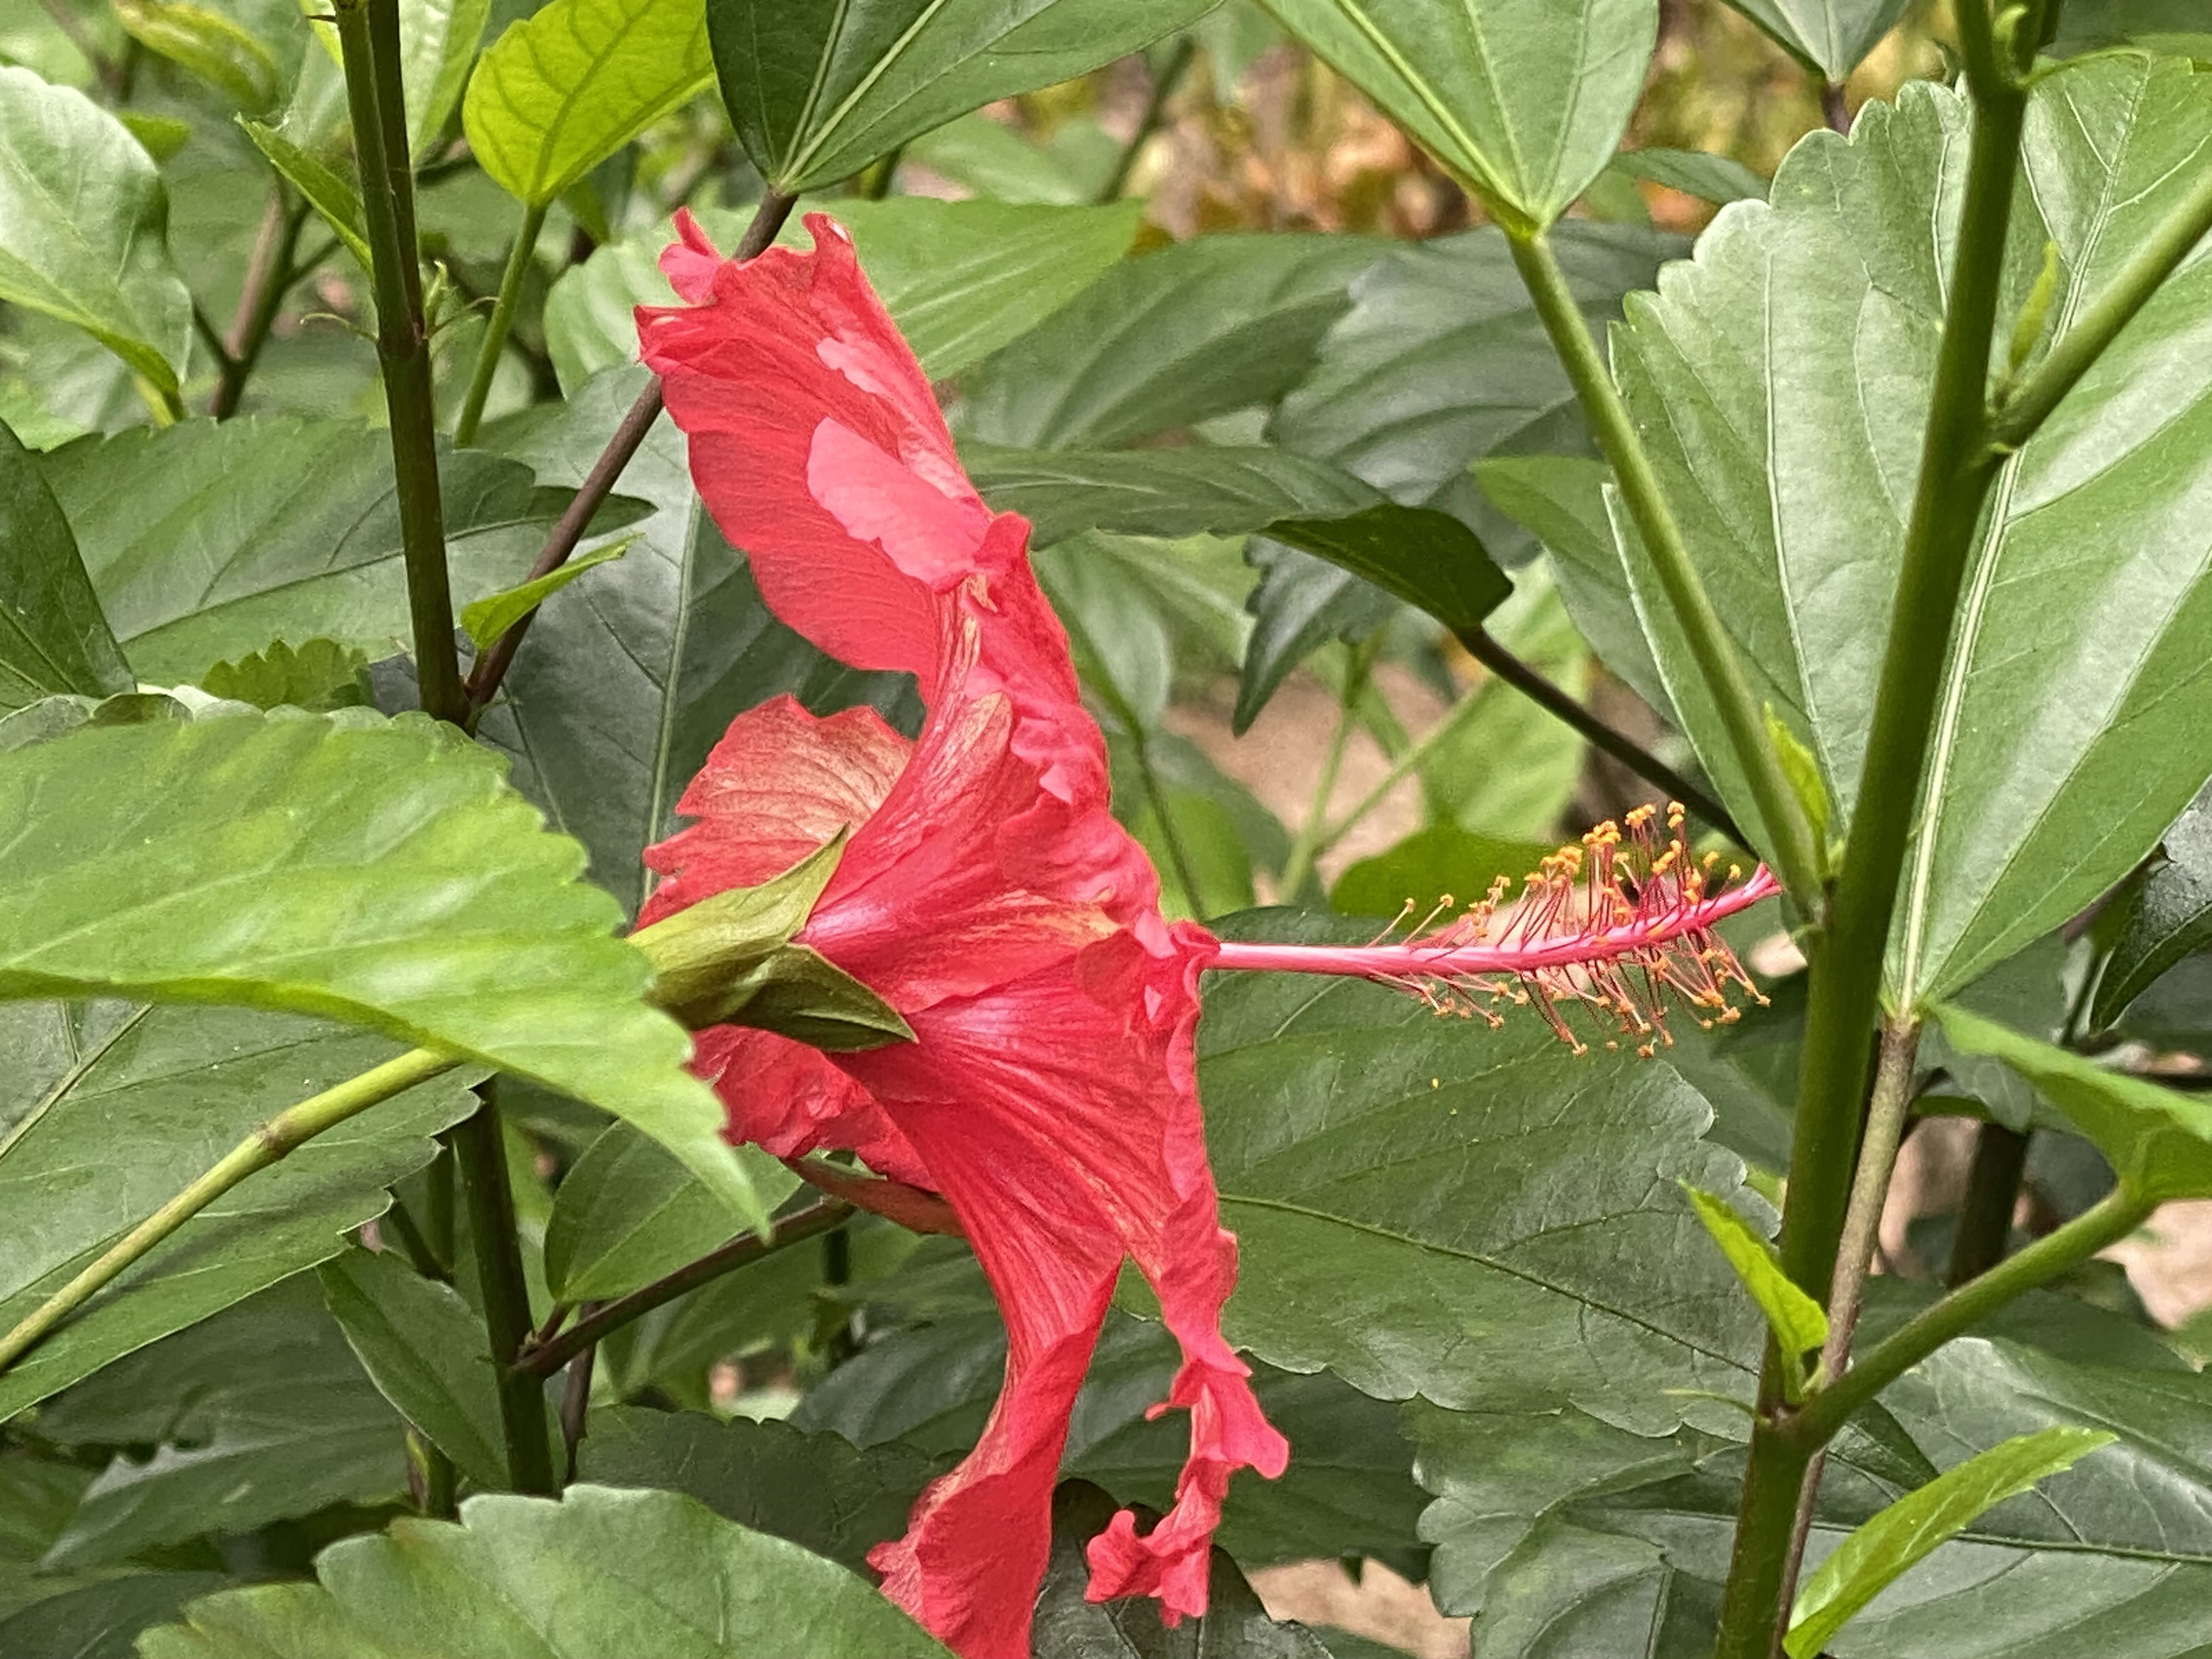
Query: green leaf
{"points": [[631, 677], [438, 41], [1428, 559], [332, 194], [819, 1491], [192, 1083], [817, 93], [1913, 1527], [1799, 1323], [207, 540], [569, 85], [1803, 768], [1463, 1214], [1160, 492], [1119, 637], [1441, 362], [102, 1621], [600, 1571], [1831, 36], [1302, 602], [319, 677], [485, 619], [1428, 864], [218, 49], [2169, 26], [84, 227], [162, 135], [424, 1348], [1719, 179], [260, 1414], [1524, 100], [1199, 328], [1781, 383], [2166, 918], [1067, 167], [2159, 1141], [53, 639], [959, 278], [386, 875], [628, 1212]]}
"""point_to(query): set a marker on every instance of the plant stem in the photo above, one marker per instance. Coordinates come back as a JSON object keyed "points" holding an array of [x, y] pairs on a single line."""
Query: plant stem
{"points": [[1297, 864], [1403, 768], [1790, 836], [267, 1144], [2105, 1223], [1485, 648], [369, 34], [1156, 105], [496, 327], [577, 1403], [269, 276], [599, 484], [812, 1222], [1835, 107], [1957, 468], [480, 1155], [2102, 322], [1885, 1130], [1171, 832], [1992, 1194]]}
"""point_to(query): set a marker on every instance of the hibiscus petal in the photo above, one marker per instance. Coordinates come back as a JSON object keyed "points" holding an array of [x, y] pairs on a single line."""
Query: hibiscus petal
{"points": [[790, 1100]]}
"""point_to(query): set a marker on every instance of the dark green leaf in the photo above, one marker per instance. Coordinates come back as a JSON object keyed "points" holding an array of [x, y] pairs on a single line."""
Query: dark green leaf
{"points": [[383, 873], [1202, 328], [1719, 179], [1119, 636], [820, 1491], [53, 639], [1524, 100], [1160, 492], [817, 93], [425, 1348], [83, 227], [1831, 36], [191, 1082], [628, 1212], [1301, 603], [102, 1621], [2174, 26], [2169, 916], [600, 1572], [1429, 864], [1781, 384], [1428, 559]]}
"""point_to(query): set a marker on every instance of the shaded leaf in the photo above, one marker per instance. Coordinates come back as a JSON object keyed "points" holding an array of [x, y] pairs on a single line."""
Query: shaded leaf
{"points": [[102, 1621], [1428, 559], [53, 639], [1719, 179], [1300, 605], [1160, 492], [1831, 36], [1429, 864], [628, 1212], [218, 49], [330, 194], [2169, 916]]}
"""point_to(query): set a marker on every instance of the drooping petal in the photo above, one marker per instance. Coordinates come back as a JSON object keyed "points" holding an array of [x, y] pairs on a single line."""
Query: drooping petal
{"points": [[790, 1100]]}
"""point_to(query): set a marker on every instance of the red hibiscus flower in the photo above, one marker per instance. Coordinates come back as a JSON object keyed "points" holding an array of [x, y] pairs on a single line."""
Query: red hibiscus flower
{"points": [[987, 893]]}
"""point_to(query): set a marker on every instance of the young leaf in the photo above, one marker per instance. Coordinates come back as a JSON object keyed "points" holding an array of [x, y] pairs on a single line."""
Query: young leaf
{"points": [[485, 619], [817, 93], [1799, 1323], [84, 227], [569, 85], [54, 640], [1910, 1529], [219, 49], [600, 1571], [384, 875], [332, 194], [2159, 1141], [2167, 917], [424, 1349], [1803, 768], [1523, 100]]}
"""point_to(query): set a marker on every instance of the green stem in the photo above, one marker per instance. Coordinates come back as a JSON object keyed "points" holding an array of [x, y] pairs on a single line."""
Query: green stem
{"points": [[1486, 650], [547, 1357], [2105, 1223], [1435, 738], [272, 1141], [1305, 845], [1992, 1193], [501, 320], [1171, 832], [1789, 834], [1156, 106], [1885, 1132], [2102, 321], [480, 1155], [369, 35], [269, 277]]}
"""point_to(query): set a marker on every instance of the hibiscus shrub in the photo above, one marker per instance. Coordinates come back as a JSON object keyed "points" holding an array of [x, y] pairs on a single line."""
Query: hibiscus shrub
{"points": [[631, 1027]]}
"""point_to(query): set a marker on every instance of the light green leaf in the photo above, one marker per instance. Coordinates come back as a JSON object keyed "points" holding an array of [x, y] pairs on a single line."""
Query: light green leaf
{"points": [[1199, 329], [600, 1571], [1802, 769], [438, 41], [53, 639], [162, 136], [1781, 383], [485, 619], [424, 1349], [209, 539], [257, 1415], [1524, 100], [384, 875], [1799, 1323], [959, 278], [817, 93], [2166, 918], [1434, 1208], [568, 85], [1831, 36], [1428, 864], [1911, 1528], [1719, 179], [84, 227], [218, 49], [192, 1083], [2159, 1141], [332, 194], [318, 676]]}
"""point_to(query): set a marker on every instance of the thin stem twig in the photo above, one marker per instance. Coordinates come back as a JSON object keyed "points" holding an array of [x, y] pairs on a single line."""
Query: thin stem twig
{"points": [[577, 1403], [480, 1155], [1992, 1193], [269, 277], [498, 324], [273, 1140], [545, 1359], [1156, 105], [1171, 832], [1305, 845], [599, 484]]}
